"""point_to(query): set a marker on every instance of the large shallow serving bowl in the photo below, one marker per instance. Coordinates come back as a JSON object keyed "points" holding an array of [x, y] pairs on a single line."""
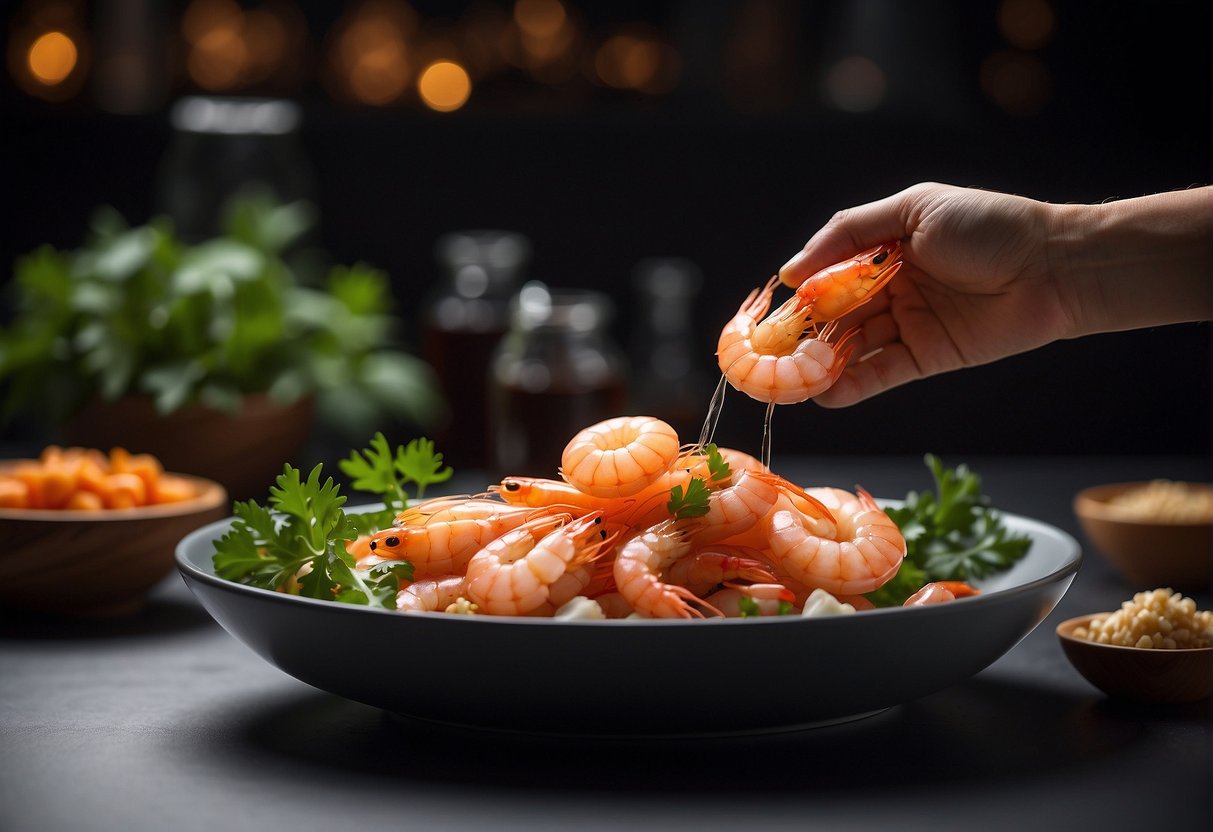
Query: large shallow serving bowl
{"points": [[97, 563], [637, 676]]}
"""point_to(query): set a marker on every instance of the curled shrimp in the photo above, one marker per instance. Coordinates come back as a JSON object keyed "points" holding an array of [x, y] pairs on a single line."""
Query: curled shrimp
{"points": [[440, 546], [703, 571], [431, 594], [850, 548], [737, 508], [639, 567], [796, 353], [515, 574], [620, 457], [939, 592]]}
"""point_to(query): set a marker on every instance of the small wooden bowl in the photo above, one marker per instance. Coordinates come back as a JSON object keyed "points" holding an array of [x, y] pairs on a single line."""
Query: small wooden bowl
{"points": [[1143, 674], [96, 563], [1146, 553]]}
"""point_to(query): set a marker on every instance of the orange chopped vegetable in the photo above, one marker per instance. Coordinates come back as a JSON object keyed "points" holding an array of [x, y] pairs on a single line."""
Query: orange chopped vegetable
{"points": [[84, 479]]}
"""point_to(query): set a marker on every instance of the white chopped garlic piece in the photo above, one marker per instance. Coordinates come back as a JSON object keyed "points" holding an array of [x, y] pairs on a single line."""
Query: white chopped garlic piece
{"points": [[822, 603], [580, 607]]}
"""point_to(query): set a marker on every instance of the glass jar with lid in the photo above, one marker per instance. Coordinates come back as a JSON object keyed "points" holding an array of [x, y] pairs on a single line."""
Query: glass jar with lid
{"points": [[557, 371]]}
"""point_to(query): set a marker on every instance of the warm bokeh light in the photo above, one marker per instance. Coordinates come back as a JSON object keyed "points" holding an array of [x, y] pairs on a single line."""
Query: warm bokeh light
{"points": [[444, 86], [855, 84], [1018, 82], [370, 53], [218, 60], [540, 18], [1026, 24], [52, 57], [230, 47], [628, 61]]}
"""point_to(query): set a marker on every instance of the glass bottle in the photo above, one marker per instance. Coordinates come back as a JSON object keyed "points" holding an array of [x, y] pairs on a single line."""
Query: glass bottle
{"points": [[670, 369], [556, 371], [464, 319], [225, 146]]}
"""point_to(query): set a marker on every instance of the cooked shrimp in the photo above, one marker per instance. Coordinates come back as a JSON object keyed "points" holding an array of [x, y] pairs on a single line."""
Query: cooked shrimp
{"points": [[767, 599], [431, 595], [738, 508], [515, 574], [793, 354], [701, 571], [939, 592], [620, 457], [852, 548], [444, 547], [639, 566], [640, 510]]}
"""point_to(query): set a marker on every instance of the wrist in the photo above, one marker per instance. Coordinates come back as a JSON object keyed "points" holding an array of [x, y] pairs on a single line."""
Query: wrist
{"points": [[1133, 263]]}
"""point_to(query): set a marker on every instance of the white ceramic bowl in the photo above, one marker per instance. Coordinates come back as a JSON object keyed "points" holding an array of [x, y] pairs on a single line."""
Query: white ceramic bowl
{"points": [[715, 676]]}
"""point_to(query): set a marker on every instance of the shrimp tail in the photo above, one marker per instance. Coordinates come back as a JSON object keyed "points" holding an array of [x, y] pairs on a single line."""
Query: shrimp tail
{"points": [[816, 507]]}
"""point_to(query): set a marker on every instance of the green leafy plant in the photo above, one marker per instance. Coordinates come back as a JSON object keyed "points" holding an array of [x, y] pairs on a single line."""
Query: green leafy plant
{"points": [[952, 534], [137, 311], [296, 543]]}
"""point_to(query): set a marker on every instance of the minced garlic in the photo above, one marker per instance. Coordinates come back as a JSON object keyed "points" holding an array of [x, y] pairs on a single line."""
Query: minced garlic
{"points": [[1160, 618]]}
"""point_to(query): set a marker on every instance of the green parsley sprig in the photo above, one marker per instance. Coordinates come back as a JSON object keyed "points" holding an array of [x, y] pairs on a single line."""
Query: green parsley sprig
{"points": [[693, 501], [296, 543], [952, 534]]}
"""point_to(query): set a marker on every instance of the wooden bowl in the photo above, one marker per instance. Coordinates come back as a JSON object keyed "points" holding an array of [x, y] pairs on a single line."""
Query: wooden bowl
{"points": [[96, 563], [1145, 553], [1139, 673]]}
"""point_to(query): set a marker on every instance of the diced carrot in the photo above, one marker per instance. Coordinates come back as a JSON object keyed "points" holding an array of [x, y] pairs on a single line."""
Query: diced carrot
{"points": [[90, 476], [30, 474], [13, 493], [125, 490], [58, 484], [85, 501], [170, 489], [148, 469]]}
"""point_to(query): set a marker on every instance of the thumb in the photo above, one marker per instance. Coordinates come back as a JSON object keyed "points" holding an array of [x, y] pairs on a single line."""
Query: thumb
{"points": [[851, 231]]}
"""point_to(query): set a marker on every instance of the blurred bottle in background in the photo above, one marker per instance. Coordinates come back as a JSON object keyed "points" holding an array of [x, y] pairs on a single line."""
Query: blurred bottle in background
{"points": [[556, 371], [464, 319], [669, 370], [224, 146]]}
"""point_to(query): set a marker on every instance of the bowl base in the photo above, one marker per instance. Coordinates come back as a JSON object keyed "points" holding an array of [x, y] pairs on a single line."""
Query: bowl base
{"points": [[576, 732]]}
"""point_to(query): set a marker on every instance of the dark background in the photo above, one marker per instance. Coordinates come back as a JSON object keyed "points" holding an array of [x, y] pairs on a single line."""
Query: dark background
{"points": [[733, 168]]}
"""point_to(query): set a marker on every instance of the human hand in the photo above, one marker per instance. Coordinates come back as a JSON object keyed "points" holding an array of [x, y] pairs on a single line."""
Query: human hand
{"points": [[975, 285]]}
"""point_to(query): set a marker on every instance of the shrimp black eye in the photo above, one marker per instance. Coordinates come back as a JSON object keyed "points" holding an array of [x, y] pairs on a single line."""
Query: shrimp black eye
{"points": [[604, 534], [511, 485], [880, 258], [392, 542], [374, 545]]}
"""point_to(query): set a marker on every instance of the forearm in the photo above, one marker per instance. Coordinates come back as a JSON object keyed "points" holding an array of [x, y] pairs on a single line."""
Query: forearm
{"points": [[1135, 262]]}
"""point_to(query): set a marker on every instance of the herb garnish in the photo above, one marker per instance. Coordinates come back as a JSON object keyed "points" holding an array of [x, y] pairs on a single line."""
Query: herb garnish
{"points": [[693, 502], [297, 543], [952, 534]]}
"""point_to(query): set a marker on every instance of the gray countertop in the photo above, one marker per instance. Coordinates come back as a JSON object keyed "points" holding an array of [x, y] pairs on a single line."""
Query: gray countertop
{"points": [[164, 721]]}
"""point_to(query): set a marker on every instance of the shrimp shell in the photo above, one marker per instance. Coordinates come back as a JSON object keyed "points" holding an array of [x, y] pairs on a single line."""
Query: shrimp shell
{"points": [[857, 548], [620, 457], [638, 572]]}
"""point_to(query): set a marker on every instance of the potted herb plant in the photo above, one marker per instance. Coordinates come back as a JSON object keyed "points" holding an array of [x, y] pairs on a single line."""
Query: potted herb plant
{"points": [[212, 356]]}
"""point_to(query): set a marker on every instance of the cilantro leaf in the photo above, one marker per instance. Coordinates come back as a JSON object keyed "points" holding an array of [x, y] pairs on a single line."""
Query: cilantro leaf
{"points": [[693, 502]]}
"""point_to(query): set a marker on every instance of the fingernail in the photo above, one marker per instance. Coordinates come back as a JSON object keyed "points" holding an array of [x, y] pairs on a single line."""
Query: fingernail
{"points": [[793, 265]]}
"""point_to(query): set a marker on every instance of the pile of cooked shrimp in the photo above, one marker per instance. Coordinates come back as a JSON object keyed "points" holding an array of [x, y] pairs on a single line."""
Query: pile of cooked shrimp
{"points": [[603, 543], [610, 539]]}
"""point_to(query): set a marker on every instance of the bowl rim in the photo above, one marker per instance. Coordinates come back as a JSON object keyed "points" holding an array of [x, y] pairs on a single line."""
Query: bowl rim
{"points": [[1065, 632], [191, 571], [1087, 505], [211, 495]]}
